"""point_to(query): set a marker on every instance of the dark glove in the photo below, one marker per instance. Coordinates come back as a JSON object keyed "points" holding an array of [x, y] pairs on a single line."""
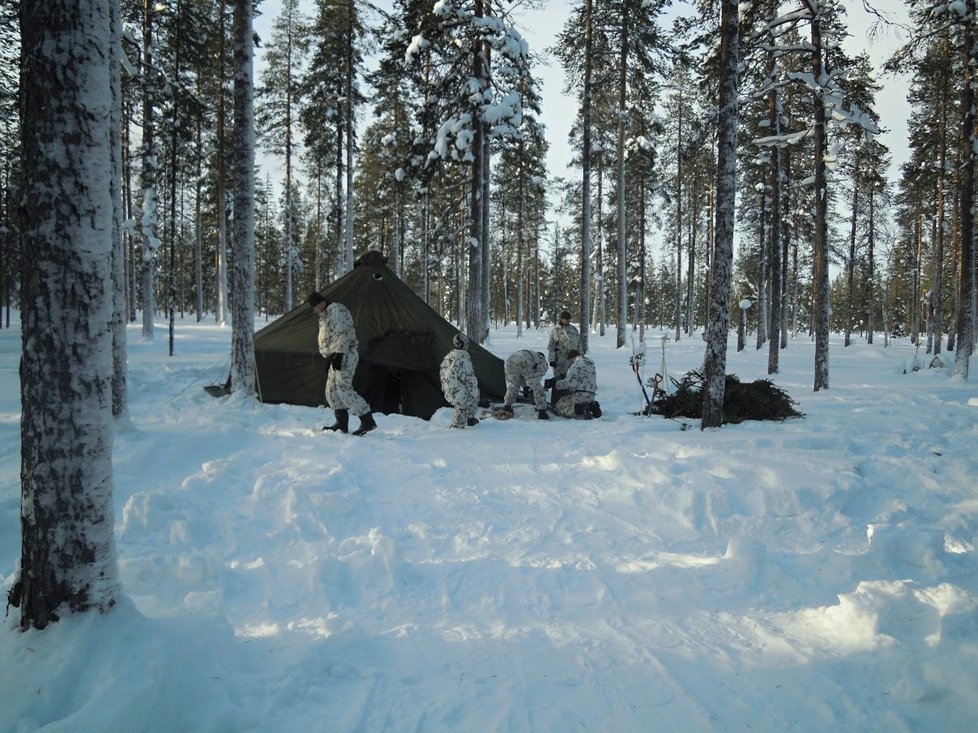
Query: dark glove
{"points": [[553, 363], [336, 361], [549, 383]]}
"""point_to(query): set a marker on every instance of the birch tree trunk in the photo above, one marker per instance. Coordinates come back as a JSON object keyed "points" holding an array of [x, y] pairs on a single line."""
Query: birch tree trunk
{"points": [[67, 552], [715, 360]]}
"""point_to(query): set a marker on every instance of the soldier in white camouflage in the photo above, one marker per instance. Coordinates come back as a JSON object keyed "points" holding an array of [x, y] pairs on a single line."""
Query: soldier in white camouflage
{"points": [[564, 338], [459, 384], [338, 345], [576, 391], [526, 368]]}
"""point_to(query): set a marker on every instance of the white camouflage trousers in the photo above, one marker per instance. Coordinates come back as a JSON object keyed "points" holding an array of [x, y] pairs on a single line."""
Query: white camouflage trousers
{"points": [[340, 394]]}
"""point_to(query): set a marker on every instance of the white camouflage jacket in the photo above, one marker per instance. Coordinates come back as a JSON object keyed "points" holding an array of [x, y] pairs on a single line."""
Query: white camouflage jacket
{"points": [[581, 377], [337, 334], [458, 381]]}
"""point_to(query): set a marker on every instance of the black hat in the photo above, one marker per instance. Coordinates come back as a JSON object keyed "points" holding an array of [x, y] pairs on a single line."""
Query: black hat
{"points": [[573, 354], [565, 316], [315, 299]]}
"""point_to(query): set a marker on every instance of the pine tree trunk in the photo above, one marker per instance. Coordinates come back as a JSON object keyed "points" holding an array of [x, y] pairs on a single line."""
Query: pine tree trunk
{"points": [[68, 558], [348, 243], [198, 213], [679, 219], [642, 287], [243, 171], [871, 270], [966, 317], [484, 289], [171, 304], [715, 360], [762, 273], [821, 244], [851, 265], [586, 187], [149, 174], [937, 268], [520, 245], [600, 314], [287, 149], [622, 256], [220, 313], [119, 309], [691, 263], [774, 230], [476, 241]]}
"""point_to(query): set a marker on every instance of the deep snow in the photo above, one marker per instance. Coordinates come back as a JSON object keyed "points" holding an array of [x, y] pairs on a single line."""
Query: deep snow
{"points": [[623, 574]]}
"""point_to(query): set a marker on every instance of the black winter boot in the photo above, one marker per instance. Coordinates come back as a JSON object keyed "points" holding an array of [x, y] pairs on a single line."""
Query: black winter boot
{"points": [[342, 422], [595, 409], [542, 415], [366, 424], [472, 422]]}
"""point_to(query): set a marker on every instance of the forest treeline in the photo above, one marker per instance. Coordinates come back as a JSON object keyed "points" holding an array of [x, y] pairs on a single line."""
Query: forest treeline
{"points": [[381, 123]]}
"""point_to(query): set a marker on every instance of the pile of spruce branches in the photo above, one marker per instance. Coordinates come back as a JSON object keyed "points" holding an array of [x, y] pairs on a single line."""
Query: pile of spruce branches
{"points": [[757, 400]]}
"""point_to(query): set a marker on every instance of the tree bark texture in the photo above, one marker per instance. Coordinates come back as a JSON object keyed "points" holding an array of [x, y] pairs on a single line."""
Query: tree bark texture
{"points": [[119, 306], [821, 244], [243, 275], [715, 360], [68, 558], [586, 187], [966, 210]]}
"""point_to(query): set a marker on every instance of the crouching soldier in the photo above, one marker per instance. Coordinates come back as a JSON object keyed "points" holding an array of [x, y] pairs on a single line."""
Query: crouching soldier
{"points": [[458, 383], [338, 345], [526, 368], [575, 392]]}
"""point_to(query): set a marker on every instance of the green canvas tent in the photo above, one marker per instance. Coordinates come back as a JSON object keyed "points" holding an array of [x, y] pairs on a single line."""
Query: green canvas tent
{"points": [[402, 343]]}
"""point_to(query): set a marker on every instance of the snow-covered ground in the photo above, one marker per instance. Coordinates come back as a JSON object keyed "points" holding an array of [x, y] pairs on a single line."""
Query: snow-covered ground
{"points": [[624, 574]]}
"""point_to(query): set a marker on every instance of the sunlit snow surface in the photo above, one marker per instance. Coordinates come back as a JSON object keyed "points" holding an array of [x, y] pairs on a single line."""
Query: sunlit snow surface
{"points": [[623, 574]]}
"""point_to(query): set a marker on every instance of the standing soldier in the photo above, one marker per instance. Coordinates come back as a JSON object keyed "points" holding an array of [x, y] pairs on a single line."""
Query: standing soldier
{"points": [[575, 392], [526, 368], [338, 345], [459, 384], [564, 337]]}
